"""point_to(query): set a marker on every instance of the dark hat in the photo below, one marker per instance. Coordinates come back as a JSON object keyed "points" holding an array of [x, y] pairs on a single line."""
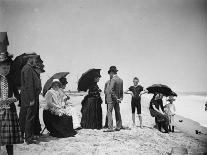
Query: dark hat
{"points": [[63, 81], [4, 42], [112, 69]]}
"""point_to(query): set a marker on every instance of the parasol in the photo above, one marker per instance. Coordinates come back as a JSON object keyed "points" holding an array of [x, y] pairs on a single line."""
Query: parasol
{"points": [[48, 84], [160, 88], [87, 79]]}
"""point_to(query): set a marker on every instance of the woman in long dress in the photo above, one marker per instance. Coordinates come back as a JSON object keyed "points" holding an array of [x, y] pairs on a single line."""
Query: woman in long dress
{"points": [[57, 118], [9, 123], [91, 107]]}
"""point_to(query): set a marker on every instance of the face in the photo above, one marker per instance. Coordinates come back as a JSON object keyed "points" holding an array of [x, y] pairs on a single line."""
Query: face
{"points": [[4, 69], [111, 74], [55, 86], [136, 82], [97, 79], [63, 86]]}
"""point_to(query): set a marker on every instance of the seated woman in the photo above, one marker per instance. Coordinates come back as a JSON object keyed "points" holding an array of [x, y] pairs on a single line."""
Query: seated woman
{"points": [[57, 118], [161, 119], [91, 107]]}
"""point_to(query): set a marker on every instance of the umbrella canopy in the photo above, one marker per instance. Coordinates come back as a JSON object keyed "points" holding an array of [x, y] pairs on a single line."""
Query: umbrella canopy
{"points": [[87, 79], [173, 94], [18, 64], [48, 84], [160, 88]]}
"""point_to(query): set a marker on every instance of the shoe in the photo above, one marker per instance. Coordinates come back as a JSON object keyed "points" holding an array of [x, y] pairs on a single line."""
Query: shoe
{"points": [[117, 129], [109, 130], [105, 127], [32, 142]]}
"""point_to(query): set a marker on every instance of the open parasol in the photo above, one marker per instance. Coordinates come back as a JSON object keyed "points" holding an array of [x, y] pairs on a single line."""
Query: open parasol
{"points": [[48, 84], [160, 88], [87, 79]]}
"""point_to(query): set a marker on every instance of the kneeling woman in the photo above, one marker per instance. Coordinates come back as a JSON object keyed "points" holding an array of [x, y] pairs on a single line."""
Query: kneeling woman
{"points": [[157, 110], [57, 118]]}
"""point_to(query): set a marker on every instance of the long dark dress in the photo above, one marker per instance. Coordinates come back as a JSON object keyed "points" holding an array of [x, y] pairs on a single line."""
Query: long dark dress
{"points": [[58, 126], [91, 109]]}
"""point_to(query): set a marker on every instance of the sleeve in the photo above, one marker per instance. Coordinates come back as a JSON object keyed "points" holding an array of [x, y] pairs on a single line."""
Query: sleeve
{"points": [[122, 90], [141, 88], [105, 87], [49, 100], [130, 88], [29, 83]]}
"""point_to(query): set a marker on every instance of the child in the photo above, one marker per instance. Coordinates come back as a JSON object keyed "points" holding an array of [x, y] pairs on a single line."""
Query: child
{"points": [[170, 111], [135, 91], [9, 124]]}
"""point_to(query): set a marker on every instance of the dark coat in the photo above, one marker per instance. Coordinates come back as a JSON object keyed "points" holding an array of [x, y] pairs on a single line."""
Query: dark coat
{"points": [[30, 86]]}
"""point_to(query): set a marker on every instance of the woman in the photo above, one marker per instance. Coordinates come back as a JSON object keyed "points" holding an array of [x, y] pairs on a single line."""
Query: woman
{"points": [[10, 132], [91, 107], [57, 118], [157, 110]]}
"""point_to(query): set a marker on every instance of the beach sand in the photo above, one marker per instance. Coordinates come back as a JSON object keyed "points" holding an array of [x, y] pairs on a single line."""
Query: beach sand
{"points": [[137, 141]]}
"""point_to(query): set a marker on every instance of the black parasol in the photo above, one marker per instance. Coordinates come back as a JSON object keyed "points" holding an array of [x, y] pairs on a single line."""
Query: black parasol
{"points": [[87, 79], [160, 88]]}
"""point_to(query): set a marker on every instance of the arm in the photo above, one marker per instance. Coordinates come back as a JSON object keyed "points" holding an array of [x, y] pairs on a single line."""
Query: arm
{"points": [[28, 83], [157, 109], [50, 101], [143, 92]]}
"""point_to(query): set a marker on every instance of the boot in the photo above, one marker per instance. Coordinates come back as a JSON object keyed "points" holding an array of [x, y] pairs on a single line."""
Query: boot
{"points": [[170, 129], [173, 128]]}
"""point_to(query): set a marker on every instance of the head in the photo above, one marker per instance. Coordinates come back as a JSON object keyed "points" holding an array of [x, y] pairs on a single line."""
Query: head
{"points": [[112, 71], [97, 79], [56, 84], [63, 82], [171, 99], [5, 62], [32, 60], [136, 81], [158, 96], [4, 68]]}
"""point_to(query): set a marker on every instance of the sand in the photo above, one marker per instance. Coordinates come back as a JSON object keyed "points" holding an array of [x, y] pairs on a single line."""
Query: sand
{"points": [[137, 141]]}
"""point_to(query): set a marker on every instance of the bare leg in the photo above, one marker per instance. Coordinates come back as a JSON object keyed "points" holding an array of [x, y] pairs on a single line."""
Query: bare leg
{"points": [[133, 119], [140, 120]]}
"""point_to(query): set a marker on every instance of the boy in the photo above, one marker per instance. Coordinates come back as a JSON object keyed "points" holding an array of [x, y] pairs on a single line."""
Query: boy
{"points": [[136, 91]]}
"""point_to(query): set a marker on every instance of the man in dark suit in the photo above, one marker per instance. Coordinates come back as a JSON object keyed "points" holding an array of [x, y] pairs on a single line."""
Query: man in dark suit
{"points": [[30, 90], [114, 96]]}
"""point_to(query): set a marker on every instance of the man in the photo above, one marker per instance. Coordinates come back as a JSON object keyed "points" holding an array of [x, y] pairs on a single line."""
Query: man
{"points": [[136, 91], [114, 96], [30, 90]]}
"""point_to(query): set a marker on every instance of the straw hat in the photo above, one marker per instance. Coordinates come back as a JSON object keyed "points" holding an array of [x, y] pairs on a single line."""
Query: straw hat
{"points": [[56, 81]]}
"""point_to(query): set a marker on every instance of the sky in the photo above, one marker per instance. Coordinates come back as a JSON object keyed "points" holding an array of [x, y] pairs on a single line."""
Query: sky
{"points": [[159, 41]]}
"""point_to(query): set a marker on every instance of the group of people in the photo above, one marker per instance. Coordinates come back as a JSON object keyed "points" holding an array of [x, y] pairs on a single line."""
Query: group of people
{"points": [[60, 117]]}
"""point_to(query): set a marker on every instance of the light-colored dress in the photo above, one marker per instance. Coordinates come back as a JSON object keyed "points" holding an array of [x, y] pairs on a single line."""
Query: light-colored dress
{"points": [[170, 111], [55, 99]]}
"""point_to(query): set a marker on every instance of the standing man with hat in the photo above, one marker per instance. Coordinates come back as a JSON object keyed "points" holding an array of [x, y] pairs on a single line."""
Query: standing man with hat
{"points": [[114, 96], [30, 90]]}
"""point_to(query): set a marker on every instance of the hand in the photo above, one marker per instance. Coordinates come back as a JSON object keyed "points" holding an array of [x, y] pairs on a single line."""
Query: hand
{"points": [[32, 103], [11, 100], [119, 100]]}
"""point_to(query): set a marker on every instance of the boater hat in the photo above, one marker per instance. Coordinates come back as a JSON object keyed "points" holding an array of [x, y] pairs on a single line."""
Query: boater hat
{"points": [[112, 69]]}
